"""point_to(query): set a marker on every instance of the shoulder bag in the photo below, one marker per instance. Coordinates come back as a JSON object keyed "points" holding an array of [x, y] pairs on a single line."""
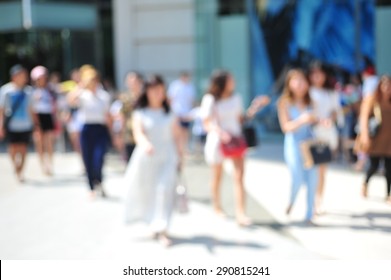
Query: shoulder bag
{"points": [[11, 114]]}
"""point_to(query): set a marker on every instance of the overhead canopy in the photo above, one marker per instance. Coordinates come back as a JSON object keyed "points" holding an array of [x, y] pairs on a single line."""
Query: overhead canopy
{"points": [[48, 16]]}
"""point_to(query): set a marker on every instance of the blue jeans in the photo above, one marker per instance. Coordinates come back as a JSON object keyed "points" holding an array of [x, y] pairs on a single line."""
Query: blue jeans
{"points": [[94, 139], [300, 175]]}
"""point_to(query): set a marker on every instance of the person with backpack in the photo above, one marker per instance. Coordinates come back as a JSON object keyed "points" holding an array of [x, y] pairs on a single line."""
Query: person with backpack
{"points": [[16, 117]]}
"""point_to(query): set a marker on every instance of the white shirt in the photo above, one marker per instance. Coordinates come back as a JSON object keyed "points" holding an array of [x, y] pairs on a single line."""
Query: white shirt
{"points": [[43, 101], [94, 107], [182, 96], [325, 102], [225, 113], [370, 84], [196, 116]]}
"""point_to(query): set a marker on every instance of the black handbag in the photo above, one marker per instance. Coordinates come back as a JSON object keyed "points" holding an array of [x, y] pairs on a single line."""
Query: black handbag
{"points": [[315, 152], [250, 135]]}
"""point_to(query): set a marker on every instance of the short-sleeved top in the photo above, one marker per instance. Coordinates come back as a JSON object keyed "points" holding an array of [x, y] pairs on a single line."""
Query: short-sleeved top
{"points": [[43, 101], [225, 113], [182, 96], [94, 107], [325, 102], [369, 86], [21, 119], [158, 127]]}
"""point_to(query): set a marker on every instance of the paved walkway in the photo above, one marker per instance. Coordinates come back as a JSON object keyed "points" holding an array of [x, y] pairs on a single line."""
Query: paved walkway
{"points": [[52, 218], [351, 227]]}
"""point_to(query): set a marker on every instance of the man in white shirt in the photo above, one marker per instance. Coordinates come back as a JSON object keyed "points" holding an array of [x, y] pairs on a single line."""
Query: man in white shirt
{"points": [[181, 94]]}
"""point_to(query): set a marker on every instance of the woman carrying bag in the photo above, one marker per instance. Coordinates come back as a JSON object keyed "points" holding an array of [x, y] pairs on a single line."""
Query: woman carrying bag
{"points": [[328, 110], [223, 115], [296, 119], [153, 168], [375, 132]]}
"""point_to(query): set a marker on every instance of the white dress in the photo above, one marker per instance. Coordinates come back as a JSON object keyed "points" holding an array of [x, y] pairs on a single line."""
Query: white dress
{"points": [[226, 114], [151, 178]]}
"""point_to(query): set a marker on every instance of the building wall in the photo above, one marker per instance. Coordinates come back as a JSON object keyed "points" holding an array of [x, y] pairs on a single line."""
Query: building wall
{"points": [[153, 36], [383, 40]]}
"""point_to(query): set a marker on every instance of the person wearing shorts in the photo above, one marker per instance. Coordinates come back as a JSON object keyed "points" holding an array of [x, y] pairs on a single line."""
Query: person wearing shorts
{"points": [[44, 104], [16, 117], [181, 94]]}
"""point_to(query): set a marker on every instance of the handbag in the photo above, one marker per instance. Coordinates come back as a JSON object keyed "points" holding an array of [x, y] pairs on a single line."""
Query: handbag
{"points": [[315, 152], [327, 135], [11, 113], [236, 147], [181, 198], [250, 135]]}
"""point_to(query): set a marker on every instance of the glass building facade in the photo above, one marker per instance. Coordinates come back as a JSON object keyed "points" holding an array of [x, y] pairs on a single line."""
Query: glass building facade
{"points": [[61, 35]]}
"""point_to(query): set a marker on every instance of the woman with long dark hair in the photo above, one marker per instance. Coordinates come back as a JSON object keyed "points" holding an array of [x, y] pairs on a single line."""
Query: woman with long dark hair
{"points": [[296, 118], [379, 146], [152, 170], [223, 114], [327, 107]]}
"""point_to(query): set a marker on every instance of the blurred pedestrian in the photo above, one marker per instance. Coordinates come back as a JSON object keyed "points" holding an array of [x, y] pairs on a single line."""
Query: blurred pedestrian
{"points": [[223, 114], [296, 117], [44, 104], [71, 115], [122, 110], [152, 170], [55, 82], [370, 82], [377, 142], [16, 117], [328, 110], [351, 97], [93, 103], [198, 131], [181, 94]]}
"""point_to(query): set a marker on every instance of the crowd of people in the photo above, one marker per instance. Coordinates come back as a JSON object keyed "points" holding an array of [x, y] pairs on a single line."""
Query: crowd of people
{"points": [[150, 124]]}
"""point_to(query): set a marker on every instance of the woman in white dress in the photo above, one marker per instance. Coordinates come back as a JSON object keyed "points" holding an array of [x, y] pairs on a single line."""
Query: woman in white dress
{"points": [[328, 110], [152, 171], [223, 113]]}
